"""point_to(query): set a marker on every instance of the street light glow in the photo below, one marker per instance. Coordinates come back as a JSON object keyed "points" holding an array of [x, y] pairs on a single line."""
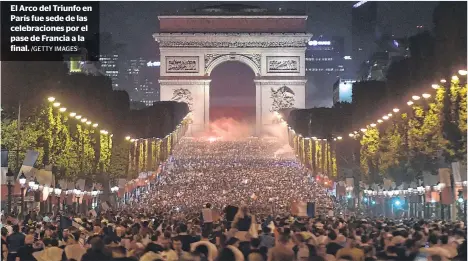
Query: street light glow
{"points": [[385, 117], [133, 140], [339, 137], [351, 135], [373, 124], [51, 99], [389, 115], [416, 97], [95, 125], [435, 86], [22, 179], [72, 114], [363, 130], [379, 121], [410, 103], [426, 95], [455, 78], [127, 138], [84, 120], [78, 117], [462, 72], [396, 110], [63, 109], [56, 104], [443, 81], [88, 122]]}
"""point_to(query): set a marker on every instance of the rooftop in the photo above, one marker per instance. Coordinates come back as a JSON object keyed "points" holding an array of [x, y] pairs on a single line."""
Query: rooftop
{"points": [[238, 9]]}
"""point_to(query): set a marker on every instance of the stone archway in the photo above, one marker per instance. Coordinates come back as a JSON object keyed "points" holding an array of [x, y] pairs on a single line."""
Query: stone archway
{"points": [[232, 95], [188, 58], [251, 60]]}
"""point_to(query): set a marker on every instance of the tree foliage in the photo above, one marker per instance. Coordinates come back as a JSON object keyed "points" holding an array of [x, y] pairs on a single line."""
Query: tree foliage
{"points": [[73, 148]]}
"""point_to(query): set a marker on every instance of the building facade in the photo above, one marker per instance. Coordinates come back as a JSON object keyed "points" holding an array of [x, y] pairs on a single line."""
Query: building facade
{"points": [[389, 49], [363, 32], [141, 80], [326, 61], [343, 90], [109, 66]]}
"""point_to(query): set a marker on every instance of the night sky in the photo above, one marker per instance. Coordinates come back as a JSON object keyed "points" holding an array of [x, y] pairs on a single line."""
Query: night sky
{"points": [[133, 23]]}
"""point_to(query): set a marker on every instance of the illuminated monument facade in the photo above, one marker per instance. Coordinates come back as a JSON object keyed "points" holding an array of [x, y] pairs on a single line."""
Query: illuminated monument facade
{"points": [[273, 46]]}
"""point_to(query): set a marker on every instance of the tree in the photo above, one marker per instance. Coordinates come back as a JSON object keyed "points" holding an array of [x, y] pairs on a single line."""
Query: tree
{"points": [[369, 155]]}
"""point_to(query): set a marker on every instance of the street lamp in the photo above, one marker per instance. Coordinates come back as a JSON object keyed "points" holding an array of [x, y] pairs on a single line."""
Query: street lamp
{"points": [[77, 193], [31, 183], [22, 181], [114, 189], [10, 176], [58, 190], [36, 184], [94, 194]]}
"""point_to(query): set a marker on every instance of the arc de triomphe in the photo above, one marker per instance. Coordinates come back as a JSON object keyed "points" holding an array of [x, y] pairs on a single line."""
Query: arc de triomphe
{"points": [[272, 46]]}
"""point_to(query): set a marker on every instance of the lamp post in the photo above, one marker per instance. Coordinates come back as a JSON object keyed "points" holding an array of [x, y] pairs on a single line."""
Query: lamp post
{"points": [[115, 190], [31, 185], [34, 185], [22, 181], [77, 193], [10, 179], [58, 193], [45, 203], [94, 193], [67, 193]]}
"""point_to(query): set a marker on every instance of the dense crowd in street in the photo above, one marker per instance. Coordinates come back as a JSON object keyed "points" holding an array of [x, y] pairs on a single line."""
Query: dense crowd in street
{"points": [[244, 172], [229, 200]]}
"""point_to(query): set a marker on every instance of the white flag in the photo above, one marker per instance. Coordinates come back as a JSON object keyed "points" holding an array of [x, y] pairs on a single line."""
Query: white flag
{"points": [[28, 163]]}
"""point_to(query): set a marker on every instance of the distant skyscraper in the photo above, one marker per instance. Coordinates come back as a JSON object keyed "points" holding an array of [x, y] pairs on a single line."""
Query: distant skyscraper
{"points": [[109, 64], [343, 91], [363, 31], [325, 61], [142, 80], [389, 49]]}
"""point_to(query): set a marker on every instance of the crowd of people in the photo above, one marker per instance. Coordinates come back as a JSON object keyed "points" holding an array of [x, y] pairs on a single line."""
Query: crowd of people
{"points": [[229, 201], [242, 172]]}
